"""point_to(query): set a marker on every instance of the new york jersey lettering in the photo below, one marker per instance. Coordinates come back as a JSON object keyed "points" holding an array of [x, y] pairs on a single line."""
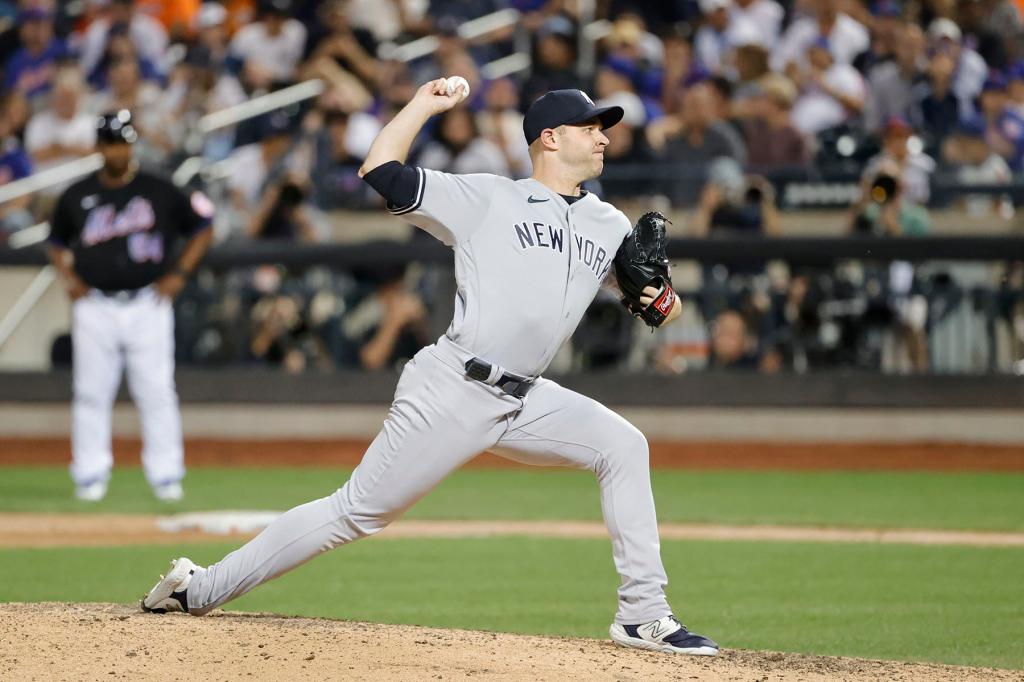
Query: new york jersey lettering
{"points": [[539, 235], [592, 255]]}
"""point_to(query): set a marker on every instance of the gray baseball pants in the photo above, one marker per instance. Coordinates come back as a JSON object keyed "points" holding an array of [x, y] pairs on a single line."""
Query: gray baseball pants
{"points": [[439, 420]]}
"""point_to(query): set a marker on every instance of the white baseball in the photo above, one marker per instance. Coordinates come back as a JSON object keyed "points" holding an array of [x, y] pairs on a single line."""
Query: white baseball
{"points": [[453, 82]]}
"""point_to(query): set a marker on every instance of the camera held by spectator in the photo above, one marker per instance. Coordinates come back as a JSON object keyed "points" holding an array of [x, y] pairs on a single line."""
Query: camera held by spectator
{"points": [[734, 202]]}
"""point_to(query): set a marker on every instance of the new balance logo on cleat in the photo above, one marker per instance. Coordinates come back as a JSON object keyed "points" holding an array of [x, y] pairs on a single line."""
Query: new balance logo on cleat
{"points": [[666, 634]]}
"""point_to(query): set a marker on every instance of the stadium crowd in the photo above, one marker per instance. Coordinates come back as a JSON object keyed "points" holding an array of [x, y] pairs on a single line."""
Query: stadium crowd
{"points": [[723, 98]]}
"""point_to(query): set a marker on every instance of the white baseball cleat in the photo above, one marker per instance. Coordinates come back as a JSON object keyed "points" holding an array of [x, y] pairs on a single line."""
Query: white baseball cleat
{"points": [[169, 492], [171, 592], [665, 634], [92, 492]]}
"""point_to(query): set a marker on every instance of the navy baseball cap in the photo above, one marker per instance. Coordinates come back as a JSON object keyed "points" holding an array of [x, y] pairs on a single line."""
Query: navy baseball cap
{"points": [[116, 127], [565, 107]]}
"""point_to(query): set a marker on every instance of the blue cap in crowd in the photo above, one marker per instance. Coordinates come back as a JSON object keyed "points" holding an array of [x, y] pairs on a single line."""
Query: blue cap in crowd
{"points": [[886, 8], [697, 74], [973, 126], [995, 81], [565, 107], [34, 14]]}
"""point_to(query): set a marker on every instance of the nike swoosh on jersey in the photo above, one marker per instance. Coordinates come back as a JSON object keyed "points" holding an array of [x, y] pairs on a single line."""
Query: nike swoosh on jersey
{"points": [[531, 200]]}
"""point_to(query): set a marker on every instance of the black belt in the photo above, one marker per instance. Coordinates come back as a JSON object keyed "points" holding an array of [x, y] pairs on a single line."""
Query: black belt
{"points": [[514, 385], [122, 295]]}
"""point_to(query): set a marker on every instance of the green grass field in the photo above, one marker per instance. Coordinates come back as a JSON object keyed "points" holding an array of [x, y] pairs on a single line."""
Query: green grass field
{"points": [[953, 605], [961, 605], [918, 500]]}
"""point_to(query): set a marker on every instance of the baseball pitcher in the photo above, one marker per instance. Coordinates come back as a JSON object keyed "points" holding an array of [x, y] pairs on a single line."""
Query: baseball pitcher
{"points": [[530, 256]]}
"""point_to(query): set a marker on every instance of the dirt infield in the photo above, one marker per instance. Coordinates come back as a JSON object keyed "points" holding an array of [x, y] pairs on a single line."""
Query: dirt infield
{"points": [[57, 641], [108, 530], [664, 454]]}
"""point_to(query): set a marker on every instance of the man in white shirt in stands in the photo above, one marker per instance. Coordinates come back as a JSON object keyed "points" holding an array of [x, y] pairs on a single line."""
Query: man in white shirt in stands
{"points": [[766, 15], [62, 131], [830, 91], [847, 37], [274, 43]]}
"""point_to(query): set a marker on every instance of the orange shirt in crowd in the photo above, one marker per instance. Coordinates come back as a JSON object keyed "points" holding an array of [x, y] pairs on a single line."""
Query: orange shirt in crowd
{"points": [[177, 16]]}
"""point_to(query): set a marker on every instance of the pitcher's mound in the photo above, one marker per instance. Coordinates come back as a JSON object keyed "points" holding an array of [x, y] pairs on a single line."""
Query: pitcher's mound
{"points": [[56, 641]]}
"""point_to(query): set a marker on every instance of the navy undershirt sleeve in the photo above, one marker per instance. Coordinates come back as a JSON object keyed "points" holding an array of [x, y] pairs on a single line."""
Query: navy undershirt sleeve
{"points": [[396, 182]]}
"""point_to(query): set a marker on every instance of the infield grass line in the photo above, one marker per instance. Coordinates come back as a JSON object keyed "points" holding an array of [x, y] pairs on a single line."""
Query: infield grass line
{"points": [[952, 501]]}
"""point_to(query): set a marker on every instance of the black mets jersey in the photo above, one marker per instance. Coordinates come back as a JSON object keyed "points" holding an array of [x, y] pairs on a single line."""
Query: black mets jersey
{"points": [[126, 237]]}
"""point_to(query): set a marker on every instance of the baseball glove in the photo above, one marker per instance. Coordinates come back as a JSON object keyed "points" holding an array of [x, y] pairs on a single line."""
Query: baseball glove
{"points": [[641, 262]]}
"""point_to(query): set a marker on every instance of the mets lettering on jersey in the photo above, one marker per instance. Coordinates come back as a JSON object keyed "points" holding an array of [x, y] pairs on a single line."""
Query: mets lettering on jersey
{"points": [[105, 222], [121, 236], [541, 271]]}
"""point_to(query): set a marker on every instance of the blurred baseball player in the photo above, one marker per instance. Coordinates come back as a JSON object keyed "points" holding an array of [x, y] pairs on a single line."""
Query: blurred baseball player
{"points": [[114, 238], [530, 256]]}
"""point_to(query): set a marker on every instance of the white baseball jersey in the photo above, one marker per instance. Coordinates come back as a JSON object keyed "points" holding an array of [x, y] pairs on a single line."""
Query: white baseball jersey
{"points": [[527, 263]]}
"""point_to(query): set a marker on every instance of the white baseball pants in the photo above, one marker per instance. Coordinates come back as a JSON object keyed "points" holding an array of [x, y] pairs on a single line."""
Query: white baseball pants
{"points": [[110, 335], [439, 420]]}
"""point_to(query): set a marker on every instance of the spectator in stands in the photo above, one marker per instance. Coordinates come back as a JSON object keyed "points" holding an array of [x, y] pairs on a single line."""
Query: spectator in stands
{"points": [[178, 17], [711, 43], [15, 164], [1006, 19], [257, 167], [630, 39], [732, 346], [772, 141], [1015, 88], [279, 332], [733, 204], [987, 42], [63, 131], [31, 68], [350, 49], [831, 92], [884, 24], [501, 123], [881, 209], [627, 146], [386, 20], [846, 36], [977, 163], [555, 62], [969, 69], [127, 90], [914, 168], [679, 61], [764, 15], [722, 99], [119, 47], [458, 147], [892, 84], [387, 325], [751, 64], [273, 44], [283, 212], [1004, 125], [691, 139], [940, 109], [212, 35], [146, 34], [335, 177]]}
